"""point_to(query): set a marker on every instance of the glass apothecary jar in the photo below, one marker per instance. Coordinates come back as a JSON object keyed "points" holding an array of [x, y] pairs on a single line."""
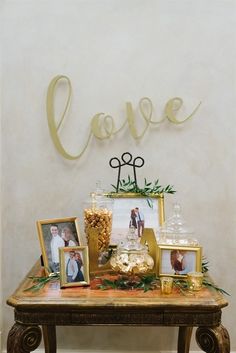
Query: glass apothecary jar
{"points": [[131, 258], [176, 231], [98, 214]]}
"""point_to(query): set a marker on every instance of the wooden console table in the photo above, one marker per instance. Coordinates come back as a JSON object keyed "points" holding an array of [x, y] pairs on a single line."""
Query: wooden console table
{"points": [[52, 306]]}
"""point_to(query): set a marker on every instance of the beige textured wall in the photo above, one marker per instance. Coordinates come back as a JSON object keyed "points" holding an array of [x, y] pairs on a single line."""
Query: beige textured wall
{"points": [[115, 51], [0, 198]]}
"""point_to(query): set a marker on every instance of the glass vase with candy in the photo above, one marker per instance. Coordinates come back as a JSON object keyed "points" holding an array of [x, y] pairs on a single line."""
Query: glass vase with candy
{"points": [[131, 259], [98, 217]]}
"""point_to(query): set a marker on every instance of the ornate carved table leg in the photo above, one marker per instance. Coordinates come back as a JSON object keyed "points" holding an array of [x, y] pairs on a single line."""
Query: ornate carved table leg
{"points": [[49, 337], [184, 339], [213, 340], [23, 339]]}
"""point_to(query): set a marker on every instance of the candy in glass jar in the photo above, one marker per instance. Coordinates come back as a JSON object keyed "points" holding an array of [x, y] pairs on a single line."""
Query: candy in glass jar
{"points": [[98, 215], [131, 258]]}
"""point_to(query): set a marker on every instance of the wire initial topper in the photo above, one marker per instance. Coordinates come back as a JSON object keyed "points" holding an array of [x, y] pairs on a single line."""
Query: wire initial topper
{"points": [[126, 159]]}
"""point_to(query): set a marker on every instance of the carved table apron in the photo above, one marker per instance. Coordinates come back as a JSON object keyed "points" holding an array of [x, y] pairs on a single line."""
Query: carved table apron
{"points": [[83, 306]]}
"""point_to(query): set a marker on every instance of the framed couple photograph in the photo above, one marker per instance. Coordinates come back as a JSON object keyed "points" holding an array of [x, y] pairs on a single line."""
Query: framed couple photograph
{"points": [[74, 266], [54, 234], [135, 210], [174, 260]]}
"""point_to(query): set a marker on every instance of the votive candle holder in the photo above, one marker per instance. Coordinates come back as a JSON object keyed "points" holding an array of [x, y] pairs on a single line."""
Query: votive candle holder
{"points": [[195, 280], [166, 285]]}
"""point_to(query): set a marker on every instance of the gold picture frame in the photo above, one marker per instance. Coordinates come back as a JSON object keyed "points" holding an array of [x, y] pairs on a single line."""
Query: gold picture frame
{"points": [[151, 206], [74, 266], [52, 235], [177, 261]]}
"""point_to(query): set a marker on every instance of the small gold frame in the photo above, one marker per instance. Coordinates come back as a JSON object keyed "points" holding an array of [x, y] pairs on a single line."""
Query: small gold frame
{"points": [[177, 261], [43, 227], [80, 266]]}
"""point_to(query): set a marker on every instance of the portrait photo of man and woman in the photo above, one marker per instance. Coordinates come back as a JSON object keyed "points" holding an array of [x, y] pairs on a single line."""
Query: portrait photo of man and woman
{"points": [[179, 261], [54, 234], [133, 212], [137, 221], [182, 262], [74, 266]]}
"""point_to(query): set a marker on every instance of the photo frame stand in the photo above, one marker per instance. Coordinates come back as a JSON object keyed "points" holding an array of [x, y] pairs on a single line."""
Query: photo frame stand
{"points": [[94, 267], [148, 238]]}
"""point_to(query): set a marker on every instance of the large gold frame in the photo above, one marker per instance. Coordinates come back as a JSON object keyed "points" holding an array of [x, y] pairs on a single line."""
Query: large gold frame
{"points": [[198, 260], [42, 239], [131, 195]]}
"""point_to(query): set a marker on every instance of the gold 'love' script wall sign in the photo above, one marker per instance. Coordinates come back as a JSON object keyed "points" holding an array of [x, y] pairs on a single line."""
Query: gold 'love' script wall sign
{"points": [[102, 126]]}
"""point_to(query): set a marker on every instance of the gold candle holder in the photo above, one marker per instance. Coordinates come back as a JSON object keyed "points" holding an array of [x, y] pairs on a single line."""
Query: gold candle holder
{"points": [[194, 280], [166, 285]]}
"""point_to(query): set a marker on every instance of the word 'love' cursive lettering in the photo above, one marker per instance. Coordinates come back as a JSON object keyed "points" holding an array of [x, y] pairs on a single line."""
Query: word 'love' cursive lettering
{"points": [[102, 126]]}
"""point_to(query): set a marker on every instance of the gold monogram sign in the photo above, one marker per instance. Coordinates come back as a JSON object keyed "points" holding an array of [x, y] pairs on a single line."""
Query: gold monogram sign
{"points": [[102, 126]]}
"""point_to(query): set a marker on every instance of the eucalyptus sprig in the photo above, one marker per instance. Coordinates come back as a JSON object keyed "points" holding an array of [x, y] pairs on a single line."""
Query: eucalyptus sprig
{"points": [[41, 281]]}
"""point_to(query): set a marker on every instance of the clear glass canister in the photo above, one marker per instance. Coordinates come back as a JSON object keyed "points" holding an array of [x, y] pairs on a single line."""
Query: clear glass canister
{"points": [[98, 214], [131, 257]]}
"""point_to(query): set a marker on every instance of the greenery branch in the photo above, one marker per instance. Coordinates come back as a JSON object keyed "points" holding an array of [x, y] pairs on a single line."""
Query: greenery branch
{"points": [[150, 282], [207, 283], [205, 265], [149, 188], [129, 185], [41, 281], [145, 282]]}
